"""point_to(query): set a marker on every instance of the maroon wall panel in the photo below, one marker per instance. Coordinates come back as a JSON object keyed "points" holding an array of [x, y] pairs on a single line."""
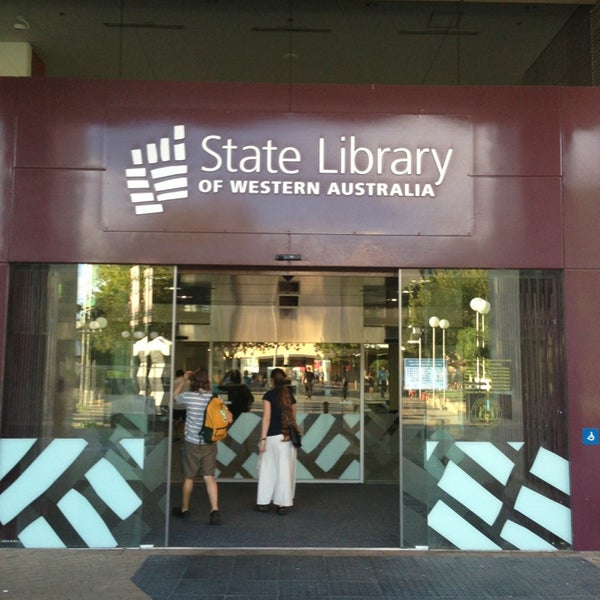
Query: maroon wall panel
{"points": [[62, 143], [61, 124], [57, 211], [8, 89], [582, 289], [66, 226], [515, 129], [3, 321], [581, 133], [581, 142]]}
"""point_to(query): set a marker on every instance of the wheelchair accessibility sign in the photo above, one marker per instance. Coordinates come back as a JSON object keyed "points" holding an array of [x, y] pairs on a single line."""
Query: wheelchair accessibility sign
{"points": [[591, 436]]}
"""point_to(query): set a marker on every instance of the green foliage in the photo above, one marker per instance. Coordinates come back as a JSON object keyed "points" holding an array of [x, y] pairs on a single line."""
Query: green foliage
{"points": [[447, 295], [377, 364], [112, 301]]}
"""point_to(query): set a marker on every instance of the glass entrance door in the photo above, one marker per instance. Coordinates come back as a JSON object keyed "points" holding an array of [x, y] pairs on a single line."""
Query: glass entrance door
{"points": [[332, 334]]}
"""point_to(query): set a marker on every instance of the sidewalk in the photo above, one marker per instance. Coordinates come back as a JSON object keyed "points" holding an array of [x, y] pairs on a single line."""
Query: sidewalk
{"points": [[302, 574]]}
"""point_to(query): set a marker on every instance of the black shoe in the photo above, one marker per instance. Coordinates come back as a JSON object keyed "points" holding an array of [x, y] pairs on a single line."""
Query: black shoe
{"points": [[282, 511], [215, 518], [181, 514], [262, 508]]}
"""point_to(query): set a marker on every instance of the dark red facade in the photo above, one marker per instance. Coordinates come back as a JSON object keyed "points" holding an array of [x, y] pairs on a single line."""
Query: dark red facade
{"points": [[535, 188]]}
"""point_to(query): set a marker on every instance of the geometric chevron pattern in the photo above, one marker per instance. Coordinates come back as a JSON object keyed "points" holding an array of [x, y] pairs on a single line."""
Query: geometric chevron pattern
{"points": [[84, 503], [465, 495], [330, 447], [483, 497]]}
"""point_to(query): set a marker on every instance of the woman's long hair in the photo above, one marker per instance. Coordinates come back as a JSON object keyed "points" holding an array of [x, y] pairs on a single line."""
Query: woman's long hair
{"points": [[284, 399]]}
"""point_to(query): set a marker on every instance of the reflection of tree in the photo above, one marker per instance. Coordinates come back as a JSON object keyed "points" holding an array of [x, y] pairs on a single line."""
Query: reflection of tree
{"points": [[246, 348], [376, 365], [342, 358], [337, 350], [447, 294], [112, 295]]}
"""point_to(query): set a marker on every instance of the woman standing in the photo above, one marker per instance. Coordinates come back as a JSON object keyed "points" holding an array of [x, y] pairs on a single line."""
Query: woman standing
{"points": [[277, 461]]}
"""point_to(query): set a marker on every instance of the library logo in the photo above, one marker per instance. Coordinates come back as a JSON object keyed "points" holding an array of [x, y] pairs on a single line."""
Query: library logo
{"points": [[158, 173]]}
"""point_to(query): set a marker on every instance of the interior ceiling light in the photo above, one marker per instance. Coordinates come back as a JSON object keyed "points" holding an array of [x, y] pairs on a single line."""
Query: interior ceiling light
{"points": [[441, 23], [143, 26], [444, 20], [289, 29], [455, 32], [21, 24]]}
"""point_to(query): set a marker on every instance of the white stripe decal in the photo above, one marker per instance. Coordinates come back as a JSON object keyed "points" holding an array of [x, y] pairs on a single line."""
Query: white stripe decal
{"points": [[12, 451], [457, 530], [39, 476], [86, 521], [523, 539], [113, 489], [135, 449], [488, 457], [39, 534], [545, 512], [473, 495], [552, 469], [332, 452]]}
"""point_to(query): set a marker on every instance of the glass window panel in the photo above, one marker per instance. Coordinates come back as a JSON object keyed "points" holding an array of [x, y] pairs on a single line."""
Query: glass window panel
{"points": [[483, 407], [87, 383]]}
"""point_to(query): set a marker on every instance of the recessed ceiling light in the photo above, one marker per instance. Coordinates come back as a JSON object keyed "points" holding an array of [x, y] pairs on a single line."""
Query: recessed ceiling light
{"points": [[21, 24]]}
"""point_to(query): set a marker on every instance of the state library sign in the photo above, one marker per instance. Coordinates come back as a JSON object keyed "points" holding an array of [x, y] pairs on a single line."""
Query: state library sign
{"points": [[312, 173]]}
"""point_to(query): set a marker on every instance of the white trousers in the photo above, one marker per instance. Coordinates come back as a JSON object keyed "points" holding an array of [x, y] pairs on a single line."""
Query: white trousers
{"points": [[277, 472]]}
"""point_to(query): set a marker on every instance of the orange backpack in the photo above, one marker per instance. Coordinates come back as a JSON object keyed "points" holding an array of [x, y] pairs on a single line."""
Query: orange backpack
{"points": [[216, 421]]}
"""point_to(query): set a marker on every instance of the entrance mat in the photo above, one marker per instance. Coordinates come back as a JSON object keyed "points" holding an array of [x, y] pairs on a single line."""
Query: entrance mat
{"points": [[260, 576], [323, 516]]}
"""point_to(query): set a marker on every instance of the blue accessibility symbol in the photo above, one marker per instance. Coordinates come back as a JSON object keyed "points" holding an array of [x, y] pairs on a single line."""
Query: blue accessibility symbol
{"points": [[591, 436]]}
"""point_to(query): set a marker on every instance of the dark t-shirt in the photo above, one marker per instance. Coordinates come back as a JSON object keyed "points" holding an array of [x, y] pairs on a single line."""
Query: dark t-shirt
{"points": [[239, 397], [275, 424]]}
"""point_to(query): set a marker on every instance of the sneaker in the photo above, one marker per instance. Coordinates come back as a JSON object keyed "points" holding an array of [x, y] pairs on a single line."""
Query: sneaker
{"points": [[215, 518], [181, 514]]}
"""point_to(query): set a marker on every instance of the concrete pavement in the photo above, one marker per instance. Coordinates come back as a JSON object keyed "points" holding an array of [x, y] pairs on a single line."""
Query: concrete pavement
{"points": [[273, 574]]}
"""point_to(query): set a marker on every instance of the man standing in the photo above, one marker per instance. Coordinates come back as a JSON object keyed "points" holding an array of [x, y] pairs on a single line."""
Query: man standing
{"points": [[199, 457], [309, 378]]}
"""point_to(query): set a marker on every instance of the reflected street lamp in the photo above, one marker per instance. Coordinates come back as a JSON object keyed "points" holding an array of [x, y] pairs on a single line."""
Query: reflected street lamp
{"points": [[88, 324], [433, 323], [481, 308], [418, 331], [444, 324]]}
